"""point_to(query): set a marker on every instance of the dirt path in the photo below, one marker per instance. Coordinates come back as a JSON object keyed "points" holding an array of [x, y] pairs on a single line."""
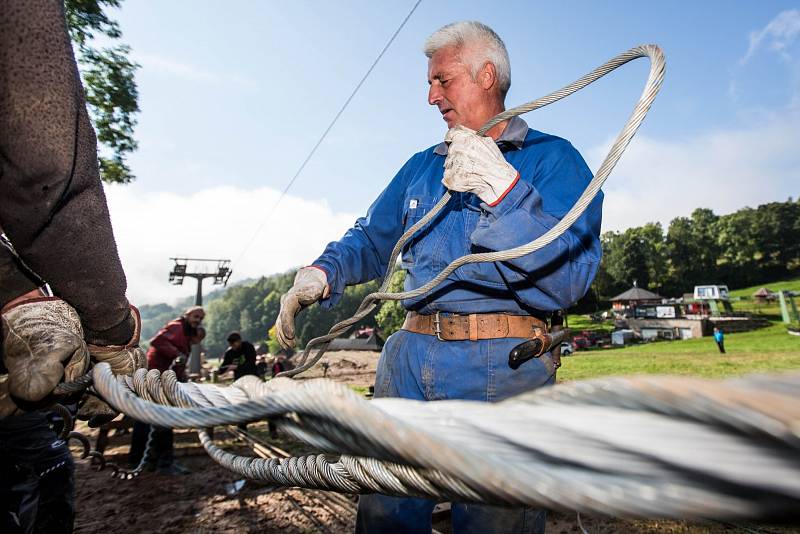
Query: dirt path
{"points": [[203, 501]]}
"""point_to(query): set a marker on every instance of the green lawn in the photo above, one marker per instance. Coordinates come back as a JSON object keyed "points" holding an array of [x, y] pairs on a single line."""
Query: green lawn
{"points": [[580, 323], [768, 349]]}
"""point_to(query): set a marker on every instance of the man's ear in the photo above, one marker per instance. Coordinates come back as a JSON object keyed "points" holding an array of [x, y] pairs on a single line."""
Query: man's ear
{"points": [[488, 76]]}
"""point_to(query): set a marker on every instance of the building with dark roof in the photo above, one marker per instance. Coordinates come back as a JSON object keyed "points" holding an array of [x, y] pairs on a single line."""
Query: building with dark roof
{"points": [[635, 296]]}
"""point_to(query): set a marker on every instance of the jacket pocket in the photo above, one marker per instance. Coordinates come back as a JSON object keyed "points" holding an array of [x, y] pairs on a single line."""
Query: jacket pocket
{"points": [[416, 207]]}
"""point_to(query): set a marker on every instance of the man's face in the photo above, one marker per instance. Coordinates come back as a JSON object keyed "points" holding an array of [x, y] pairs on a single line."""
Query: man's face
{"points": [[460, 99], [195, 318], [236, 345]]}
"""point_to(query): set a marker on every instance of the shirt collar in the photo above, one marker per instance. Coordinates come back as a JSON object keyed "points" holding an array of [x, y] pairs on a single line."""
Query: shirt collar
{"points": [[512, 136]]}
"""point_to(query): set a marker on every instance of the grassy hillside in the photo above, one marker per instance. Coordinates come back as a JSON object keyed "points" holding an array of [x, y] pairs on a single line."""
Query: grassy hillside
{"points": [[747, 304], [784, 285]]}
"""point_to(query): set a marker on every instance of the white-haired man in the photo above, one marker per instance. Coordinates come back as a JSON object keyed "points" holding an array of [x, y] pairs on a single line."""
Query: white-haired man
{"points": [[508, 188]]}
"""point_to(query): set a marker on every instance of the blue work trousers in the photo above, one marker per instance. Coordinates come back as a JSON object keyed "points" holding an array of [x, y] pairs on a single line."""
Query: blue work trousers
{"points": [[421, 367]]}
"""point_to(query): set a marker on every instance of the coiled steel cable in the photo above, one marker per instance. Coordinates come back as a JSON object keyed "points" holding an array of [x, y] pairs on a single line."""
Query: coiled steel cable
{"points": [[635, 447], [651, 88]]}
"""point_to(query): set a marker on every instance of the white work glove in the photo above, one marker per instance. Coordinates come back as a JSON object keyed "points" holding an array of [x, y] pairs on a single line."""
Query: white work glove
{"points": [[475, 165], [310, 285], [43, 343]]}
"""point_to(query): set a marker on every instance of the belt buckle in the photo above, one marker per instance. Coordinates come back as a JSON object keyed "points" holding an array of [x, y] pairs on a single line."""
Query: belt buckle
{"points": [[437, 326]]}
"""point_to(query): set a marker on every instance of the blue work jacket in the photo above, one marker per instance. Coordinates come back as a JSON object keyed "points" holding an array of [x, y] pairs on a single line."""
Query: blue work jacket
{"points": [[552, 177]]}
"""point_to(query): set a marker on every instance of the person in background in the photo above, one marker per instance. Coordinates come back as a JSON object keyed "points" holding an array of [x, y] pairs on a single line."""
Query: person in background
{"points": [[278, 366], [180, 363], [169, 348], [719, 337], [239, 358]]}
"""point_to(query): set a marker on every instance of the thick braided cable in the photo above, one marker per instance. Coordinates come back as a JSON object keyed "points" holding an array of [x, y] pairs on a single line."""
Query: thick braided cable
{"points": [[652, 86], [347, 475], [614, 446]]}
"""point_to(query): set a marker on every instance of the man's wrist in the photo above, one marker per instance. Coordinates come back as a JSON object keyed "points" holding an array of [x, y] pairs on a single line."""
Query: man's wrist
{"points": [[121, 334], [504, 193]]}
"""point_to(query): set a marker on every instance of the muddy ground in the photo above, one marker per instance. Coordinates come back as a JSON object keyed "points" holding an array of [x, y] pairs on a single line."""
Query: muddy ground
{"points": [[212, 499]]}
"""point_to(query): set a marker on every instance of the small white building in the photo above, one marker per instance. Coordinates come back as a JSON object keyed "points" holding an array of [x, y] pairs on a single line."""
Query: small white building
{"points": [[711, 292]]}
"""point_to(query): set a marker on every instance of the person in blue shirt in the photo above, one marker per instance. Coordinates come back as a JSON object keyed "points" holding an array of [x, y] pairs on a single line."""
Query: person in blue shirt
{"points": [[719, 337], [508, 188]]}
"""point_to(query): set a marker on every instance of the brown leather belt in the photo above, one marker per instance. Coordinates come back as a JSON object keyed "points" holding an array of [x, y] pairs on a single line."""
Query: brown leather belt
{"points": [[474, 326]]}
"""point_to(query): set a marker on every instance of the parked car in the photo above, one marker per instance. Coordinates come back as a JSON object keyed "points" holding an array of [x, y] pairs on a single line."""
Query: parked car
{"points": [[581, 342], [566, 348]]}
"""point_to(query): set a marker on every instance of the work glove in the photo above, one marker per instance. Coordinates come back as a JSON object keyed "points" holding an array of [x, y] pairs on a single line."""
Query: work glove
{"points": [[43, 344], [7, 406], [475, 165], [124, 360], [310, 285]]}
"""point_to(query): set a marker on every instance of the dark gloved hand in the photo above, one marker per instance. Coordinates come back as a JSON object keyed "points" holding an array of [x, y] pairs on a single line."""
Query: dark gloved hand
{"points": [[180, 360], [43, 344]]}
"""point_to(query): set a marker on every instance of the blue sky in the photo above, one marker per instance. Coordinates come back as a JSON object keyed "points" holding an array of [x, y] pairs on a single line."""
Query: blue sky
{"points": [[233, 99]]}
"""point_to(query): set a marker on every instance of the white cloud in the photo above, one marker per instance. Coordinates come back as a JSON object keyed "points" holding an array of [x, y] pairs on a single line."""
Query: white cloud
{"points": [[151, 227], [778, 35], [188, 71], [723, 170]]}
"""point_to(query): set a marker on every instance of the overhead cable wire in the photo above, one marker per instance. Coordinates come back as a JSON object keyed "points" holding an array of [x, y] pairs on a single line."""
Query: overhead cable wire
{"points": [[325, 133]]}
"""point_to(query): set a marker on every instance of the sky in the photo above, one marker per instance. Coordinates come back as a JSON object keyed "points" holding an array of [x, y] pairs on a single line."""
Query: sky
{"points": [[233, 99]]}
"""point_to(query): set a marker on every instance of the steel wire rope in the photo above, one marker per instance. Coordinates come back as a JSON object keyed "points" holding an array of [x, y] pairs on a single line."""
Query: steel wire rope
{"points": [[326, 131], [652, 86], [617, 445]]}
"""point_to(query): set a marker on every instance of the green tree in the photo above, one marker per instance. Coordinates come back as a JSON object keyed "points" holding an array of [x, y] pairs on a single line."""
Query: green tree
{"points": [[651, 239], [692, 248], [391, 315], [626, 259], [605, 283], [109, 80], [740, 253], [681, 254]]}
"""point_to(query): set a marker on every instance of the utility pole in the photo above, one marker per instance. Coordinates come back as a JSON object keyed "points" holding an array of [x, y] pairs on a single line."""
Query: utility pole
{"points": [[219, 270]]}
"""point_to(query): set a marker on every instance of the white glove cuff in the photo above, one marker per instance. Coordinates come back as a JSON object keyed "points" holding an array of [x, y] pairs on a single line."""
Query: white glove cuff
{"points": [[500, 195]]}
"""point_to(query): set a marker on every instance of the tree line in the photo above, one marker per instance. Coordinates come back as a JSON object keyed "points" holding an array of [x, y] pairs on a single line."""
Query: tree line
{"points": [[750, 246], [747, 247]]}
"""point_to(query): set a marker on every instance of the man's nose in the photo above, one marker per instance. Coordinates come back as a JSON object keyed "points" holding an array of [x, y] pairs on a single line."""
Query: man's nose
{"points": [[434, 95]]}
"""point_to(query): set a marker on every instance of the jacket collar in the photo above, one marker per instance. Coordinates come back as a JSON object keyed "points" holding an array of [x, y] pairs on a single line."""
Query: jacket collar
{"points": [[512, 137]]}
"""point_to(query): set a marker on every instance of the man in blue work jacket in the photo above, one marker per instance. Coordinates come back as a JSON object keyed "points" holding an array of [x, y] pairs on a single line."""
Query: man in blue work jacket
{"points": [[508, 189]]}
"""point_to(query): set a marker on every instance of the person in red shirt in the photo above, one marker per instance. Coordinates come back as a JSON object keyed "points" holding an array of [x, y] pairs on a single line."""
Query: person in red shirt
{"points": [[174, 339], [169, 348]]}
